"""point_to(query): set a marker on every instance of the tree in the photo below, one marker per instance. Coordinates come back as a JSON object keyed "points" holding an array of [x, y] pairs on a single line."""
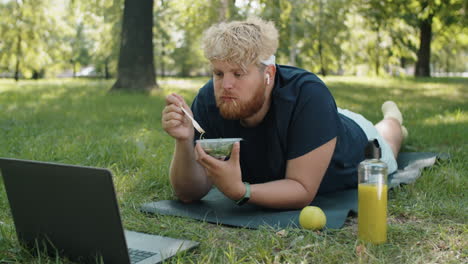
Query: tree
{"points": [[425, 38], [23, 25], [422, 14], [136, 70], [42, 37], [287, 15], [190, 26], [450, 49], [103, 21], [19, 39], [162, 38], [324, 31], [378, 14], [79, 49]]}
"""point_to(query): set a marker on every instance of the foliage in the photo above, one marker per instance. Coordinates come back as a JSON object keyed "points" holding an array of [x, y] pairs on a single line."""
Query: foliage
{"points": [[364, 37], [103, 20], [27, 35], [425, 14]]}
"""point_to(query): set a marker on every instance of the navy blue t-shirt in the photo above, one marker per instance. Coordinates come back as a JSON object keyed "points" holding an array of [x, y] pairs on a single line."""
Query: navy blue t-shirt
{"points": [[302, 117]]}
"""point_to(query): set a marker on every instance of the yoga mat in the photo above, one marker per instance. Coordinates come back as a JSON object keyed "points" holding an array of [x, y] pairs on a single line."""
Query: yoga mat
{"points": [[218, 209]]}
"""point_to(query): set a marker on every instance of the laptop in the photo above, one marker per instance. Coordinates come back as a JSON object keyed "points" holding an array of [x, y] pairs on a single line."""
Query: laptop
{"points": [[72, 211]]}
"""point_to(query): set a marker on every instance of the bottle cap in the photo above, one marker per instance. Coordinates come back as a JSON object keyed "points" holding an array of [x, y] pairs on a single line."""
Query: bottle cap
{"points": [[373, 150]]}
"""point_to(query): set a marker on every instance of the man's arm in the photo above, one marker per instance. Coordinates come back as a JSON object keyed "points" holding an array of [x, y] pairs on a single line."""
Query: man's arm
{"points": [[188, 178], [303, 177]]}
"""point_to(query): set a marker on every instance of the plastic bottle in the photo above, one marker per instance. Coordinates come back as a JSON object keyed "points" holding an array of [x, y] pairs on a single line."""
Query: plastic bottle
{"points": [[372, 196]]}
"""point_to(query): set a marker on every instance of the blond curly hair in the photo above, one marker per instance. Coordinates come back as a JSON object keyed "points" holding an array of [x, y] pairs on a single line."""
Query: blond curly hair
{"points": [[241, 42]]}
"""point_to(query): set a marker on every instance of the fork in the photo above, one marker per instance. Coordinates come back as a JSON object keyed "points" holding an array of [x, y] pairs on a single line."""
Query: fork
{"points": [[194, 122]]}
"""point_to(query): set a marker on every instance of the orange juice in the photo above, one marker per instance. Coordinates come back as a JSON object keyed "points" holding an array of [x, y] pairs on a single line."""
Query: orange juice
{"points": [[372, 212]]}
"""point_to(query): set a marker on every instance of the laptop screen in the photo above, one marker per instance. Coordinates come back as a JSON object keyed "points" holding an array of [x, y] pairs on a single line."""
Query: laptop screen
{"points": [[70, 207]]}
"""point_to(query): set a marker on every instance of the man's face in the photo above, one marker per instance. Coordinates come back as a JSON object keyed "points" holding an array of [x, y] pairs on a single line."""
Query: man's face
{"points": [[239, 94]]}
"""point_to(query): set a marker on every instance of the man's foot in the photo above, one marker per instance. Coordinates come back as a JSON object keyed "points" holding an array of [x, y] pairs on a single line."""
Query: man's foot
{"points": [[390, 109]]}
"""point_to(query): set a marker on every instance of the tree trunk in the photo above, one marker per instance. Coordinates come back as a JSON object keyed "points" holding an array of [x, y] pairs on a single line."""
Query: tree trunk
{"points": [[35, 75], [74, 68], [106, 69], [377, 53], [292, 40], [424, 53], [18, 44], [403, 62], [163, 56], [233, 13], [447, 62], [163, 65], [223, 10], [320, 40], [136, 70], [18, 56]]}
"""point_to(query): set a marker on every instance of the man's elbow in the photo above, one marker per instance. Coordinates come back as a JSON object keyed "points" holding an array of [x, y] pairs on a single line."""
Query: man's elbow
{"points": [[187, 199], [185, 193], [306, 200], [184, 198], [301, 204]]}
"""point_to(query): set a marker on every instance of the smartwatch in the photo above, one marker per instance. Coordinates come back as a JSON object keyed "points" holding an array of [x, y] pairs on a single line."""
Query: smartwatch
{"points": [[246, 196]]}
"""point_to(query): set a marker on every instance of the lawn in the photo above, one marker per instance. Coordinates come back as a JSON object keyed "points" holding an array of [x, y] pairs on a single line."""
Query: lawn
{"points": [[79, 122]]}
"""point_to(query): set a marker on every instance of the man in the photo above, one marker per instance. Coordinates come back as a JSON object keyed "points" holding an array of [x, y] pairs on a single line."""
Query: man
{"points": [[296, 142]]}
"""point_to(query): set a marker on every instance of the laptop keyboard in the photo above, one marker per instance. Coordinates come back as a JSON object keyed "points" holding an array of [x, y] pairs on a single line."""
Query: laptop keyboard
{"points": [[139, 255]]}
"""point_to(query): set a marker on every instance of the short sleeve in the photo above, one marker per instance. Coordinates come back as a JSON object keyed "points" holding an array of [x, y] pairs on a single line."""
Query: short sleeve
{"points": [[198, 112], [315, 120]]}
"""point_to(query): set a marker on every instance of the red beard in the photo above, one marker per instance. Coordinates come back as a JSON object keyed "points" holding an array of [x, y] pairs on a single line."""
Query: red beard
{"points": [[234, 109]]}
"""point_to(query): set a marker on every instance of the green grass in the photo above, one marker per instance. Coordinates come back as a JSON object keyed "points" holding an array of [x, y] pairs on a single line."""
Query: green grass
{"points": [[79, 122]]}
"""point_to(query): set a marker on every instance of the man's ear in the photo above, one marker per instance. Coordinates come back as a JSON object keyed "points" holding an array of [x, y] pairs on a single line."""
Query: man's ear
{"points": [[270, 71]]}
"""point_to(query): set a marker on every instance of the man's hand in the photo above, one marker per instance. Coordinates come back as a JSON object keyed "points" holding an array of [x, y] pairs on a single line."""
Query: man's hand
{"points": [[174, 121], [225, 175]]}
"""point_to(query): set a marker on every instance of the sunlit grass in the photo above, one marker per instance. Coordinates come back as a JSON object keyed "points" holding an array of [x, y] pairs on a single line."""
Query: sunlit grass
{"points": [[80, 122], [179, 83]]}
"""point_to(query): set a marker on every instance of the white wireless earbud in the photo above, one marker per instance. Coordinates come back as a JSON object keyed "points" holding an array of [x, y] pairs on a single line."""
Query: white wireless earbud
{"points": [[268, 78]]}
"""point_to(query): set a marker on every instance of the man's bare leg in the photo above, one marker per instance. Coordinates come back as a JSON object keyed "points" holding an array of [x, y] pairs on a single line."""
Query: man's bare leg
{"points": [[390, 130], [390, 127]]}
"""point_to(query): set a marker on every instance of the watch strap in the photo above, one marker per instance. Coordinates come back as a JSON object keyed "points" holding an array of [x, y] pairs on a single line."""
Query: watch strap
{"points": [[246, 196]]}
